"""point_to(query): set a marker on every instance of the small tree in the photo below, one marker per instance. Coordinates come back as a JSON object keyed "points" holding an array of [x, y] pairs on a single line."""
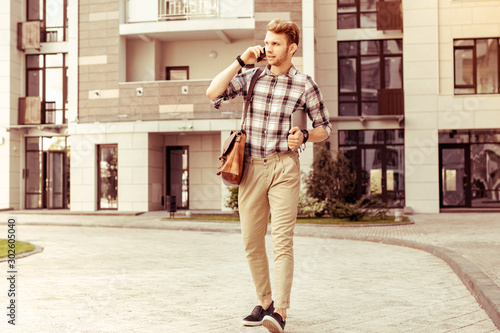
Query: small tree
{"points": [[344, 185], [232, 200], [320, 179], [331, 179]]}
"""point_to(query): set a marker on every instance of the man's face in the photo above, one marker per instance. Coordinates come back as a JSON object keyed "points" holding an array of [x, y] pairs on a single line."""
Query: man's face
{"points": [[277, 49]]}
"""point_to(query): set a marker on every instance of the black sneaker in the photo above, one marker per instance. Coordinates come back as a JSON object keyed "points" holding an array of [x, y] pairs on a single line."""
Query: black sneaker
{"points": [[274, 323], [258, 313]]}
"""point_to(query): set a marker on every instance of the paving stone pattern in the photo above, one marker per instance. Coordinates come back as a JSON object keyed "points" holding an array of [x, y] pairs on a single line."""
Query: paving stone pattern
{"points": [[129, 279]]}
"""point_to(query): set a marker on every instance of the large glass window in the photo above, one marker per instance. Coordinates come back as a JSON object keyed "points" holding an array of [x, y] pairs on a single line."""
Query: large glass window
{"points": [[53, 14], [485, 165], [476, 66], [368, 72], [378, 158], [46, 77], [107, 164], [470, 168]]}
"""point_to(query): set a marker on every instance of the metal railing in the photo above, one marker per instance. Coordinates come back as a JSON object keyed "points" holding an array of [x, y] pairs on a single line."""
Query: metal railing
{"points": [[187, 9]]}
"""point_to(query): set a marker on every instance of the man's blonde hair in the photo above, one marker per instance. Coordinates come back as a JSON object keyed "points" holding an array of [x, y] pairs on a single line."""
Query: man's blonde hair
{"points": [[290, 29]]}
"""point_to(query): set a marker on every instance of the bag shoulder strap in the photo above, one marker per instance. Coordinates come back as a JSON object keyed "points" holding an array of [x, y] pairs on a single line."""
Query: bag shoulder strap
{"points": [[248, 99]]}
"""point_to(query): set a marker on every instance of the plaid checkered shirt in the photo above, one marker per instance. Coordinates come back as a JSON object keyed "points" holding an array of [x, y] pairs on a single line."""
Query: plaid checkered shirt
{"points": [[275, 98]]}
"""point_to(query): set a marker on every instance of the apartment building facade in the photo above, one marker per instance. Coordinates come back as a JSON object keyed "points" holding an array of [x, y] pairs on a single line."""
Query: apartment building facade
{"points": [[104, 102]]}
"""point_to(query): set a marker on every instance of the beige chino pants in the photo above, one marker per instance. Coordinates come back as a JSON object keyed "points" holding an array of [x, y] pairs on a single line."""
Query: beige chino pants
{"points": [[270, 186]]}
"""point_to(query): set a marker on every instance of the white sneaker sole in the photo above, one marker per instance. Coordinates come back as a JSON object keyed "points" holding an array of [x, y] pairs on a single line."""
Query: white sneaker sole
{"points": [[252, 323], [272, 325]]}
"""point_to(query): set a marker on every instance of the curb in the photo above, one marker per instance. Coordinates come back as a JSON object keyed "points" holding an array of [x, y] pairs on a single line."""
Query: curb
{"points": [[485, 290], [37, 249]]}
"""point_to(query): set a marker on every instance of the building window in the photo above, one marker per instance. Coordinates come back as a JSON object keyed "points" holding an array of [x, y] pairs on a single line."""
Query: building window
{"points": [[107, 182], [380, 14], [352, 14], [178, 73], [470, 168], [46, 77], [53, 15], [476, 66], [370, 72], [378, 158]]}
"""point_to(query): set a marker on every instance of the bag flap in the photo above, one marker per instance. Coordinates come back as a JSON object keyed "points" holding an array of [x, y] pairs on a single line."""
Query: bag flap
{"points": [[228, 143]]}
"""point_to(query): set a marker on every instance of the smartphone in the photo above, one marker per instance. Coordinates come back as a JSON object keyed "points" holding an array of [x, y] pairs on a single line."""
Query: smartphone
{"points": [[262, 55]]}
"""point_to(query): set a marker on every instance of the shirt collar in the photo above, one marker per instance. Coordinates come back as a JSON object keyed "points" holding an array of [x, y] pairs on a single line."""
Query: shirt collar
{"points": [[292, 71]]}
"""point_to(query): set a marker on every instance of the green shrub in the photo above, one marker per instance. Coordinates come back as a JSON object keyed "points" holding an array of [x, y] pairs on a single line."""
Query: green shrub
{"points": [[353, 212], [331, 179], [232, 200], [311, 207], [377, 207]]}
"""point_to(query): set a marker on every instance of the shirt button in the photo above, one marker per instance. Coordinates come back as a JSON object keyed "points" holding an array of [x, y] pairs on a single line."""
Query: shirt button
{"points": [[265, 161]]}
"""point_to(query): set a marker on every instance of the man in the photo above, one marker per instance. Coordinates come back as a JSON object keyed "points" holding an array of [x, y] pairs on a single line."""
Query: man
{"points": [[271, 182]]}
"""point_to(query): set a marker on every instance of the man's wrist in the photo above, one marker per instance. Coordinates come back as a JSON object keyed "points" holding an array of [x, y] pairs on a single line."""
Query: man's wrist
{"points": [[306, 135], [240, 61]]}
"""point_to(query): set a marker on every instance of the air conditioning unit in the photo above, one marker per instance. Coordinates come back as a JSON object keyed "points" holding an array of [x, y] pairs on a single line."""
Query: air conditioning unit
{"points": [[389, 15], [28, 35], [30, 110]]}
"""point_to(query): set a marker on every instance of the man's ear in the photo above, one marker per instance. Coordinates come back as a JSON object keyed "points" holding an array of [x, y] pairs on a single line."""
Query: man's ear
{"points": [[292, 49]]}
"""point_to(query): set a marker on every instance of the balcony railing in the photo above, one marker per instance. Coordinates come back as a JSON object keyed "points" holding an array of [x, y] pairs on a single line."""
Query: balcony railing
{"points": [[31, 33], [34, 111], [187, 9]]}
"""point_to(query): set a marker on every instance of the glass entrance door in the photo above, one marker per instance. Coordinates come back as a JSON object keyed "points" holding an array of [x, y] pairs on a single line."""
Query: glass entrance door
{"points": [[178, 175], [107, 179], [454, 182], [55, 177], [46, 173]]}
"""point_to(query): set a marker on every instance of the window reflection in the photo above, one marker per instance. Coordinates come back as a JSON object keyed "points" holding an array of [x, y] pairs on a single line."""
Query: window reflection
{"points": [[108, 176], [487, 66], [368, 71], [353, 14], [476, 66], [453, 177], [474, 182], [485, 164], [378, 158]]}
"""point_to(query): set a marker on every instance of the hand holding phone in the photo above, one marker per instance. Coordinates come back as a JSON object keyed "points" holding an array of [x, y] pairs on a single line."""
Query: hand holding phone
{"points": [[262, 56]]}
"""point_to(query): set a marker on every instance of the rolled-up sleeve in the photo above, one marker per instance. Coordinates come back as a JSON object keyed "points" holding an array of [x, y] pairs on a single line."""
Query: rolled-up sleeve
{"points": [[234, 88], [316, 107]]}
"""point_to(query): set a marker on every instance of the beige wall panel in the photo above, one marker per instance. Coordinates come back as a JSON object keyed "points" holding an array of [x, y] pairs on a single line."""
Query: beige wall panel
{"points": [[195, 54]]}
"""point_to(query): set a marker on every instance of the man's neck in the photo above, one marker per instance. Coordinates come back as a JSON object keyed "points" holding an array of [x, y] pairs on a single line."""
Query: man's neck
{"points": [[283, 68]]}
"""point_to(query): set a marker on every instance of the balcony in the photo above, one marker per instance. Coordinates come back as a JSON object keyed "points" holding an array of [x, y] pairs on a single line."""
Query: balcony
{"points": [[31, 34], [34, 111], [158, 101], [174, 20], [161, 10]]}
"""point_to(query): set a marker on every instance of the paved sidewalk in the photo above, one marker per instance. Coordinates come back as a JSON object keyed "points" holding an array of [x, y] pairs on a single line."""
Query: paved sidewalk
{"points": [[106, 280]]}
